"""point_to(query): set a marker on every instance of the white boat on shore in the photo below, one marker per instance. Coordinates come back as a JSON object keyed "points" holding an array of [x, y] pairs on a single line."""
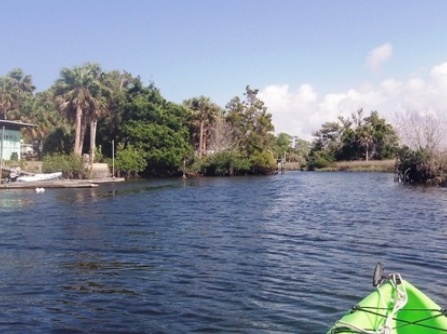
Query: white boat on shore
{"points": [[39, 177]]}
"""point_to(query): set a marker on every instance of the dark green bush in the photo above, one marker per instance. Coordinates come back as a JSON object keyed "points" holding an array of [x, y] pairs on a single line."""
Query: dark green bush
{"points": [[263, 162], [319, 159], [225, 163], [71, 166], [129, 161], [415, 166]]}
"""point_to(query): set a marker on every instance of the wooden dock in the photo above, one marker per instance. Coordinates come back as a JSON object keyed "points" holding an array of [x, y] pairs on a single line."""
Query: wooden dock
{"points": [[91, 183]]}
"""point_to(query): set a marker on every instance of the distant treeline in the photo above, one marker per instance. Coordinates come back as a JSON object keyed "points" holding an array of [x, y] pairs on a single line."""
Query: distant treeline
{"points": [[87, 110]]}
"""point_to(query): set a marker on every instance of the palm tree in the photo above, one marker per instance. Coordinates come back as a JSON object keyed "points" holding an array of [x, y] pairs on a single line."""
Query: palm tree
{"points": [[204, 111], [102, 110], [14, 87], [115, 87], [21, 83], [8, 97], [366, 138], [44, 115], [358, 119], [78, 95], [17, 89]]}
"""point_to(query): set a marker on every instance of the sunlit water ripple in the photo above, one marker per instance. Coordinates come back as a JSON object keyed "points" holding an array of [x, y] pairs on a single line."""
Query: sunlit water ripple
{"points": [[279, 254]]}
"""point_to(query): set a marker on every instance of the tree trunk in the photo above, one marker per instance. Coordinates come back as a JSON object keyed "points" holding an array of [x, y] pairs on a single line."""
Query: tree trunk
{"points": [[201, 138], [93, 127], [204, 140], [82, 136], [78, 146]]}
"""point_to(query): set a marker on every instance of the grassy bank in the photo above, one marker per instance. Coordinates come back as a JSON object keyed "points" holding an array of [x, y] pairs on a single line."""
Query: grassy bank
{"points": [[386, 166], [292, 166]]}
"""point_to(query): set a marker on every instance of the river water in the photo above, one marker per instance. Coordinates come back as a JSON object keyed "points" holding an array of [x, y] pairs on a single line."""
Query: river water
{"points": [[279, 254]]}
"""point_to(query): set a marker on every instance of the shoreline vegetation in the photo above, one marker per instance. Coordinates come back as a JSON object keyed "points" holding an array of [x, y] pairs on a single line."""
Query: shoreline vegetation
{"points": [[383, 166], [380, 166], [90, 116]]}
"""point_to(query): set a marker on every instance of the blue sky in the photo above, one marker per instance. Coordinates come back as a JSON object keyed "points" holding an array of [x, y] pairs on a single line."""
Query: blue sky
{"points": [[311, 60]]}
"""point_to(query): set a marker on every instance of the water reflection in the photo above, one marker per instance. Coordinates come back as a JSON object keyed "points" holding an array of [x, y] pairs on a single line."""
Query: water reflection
{"points": [[108, 191], [13, 203]]}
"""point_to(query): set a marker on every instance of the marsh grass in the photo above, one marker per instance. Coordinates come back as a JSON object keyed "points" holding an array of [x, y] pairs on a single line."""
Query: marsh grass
{"points": [[382, 166], [386, 166]]}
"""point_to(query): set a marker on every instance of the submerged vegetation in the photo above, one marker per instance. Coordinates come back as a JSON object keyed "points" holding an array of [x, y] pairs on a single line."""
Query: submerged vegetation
{"points": [[87, 109]]}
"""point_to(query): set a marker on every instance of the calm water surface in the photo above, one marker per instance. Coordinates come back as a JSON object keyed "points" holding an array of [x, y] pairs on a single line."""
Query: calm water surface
{"points": [[280, 254]]}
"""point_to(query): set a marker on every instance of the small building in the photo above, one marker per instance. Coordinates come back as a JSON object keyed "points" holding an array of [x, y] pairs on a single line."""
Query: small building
{"points": [[10, 139]]}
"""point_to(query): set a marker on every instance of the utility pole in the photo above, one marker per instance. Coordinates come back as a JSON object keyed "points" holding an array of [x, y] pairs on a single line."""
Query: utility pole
{"points": [[1, 152], [113, 158]]}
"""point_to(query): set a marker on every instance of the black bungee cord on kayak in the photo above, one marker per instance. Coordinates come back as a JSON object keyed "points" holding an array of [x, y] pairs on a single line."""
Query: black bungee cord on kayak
{"points": [[401, 323], [401, 299], [389, 315]]}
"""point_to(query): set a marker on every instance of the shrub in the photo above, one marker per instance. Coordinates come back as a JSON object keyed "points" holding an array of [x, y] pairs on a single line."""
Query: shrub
{"points": [[225, 163], [416, 166], [71, 166], [319, 159], [129, 161], [263, 162]]}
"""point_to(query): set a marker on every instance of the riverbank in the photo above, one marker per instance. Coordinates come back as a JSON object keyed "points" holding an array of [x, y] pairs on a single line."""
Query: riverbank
{"points": [[98, 174], [382, 166], [62, 183]]}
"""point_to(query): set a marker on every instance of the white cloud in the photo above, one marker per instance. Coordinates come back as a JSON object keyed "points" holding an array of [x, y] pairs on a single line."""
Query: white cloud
{"points": [[293, 111], [302, 111], [439, 72], [439, 77], [378, 56], [391, 87]]}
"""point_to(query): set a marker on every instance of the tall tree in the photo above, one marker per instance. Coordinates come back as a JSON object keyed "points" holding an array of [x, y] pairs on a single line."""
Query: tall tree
{"points": [[252, 124], [204, 112], [120, 89], [156, 127], [7, 96], [283, 145], [423, 130], [78, 96], [252, 130], [357, 118], [15, 88], [365, 138], [235, 111], [220, 135], [22, 83], [360, 137], [385, 141]]}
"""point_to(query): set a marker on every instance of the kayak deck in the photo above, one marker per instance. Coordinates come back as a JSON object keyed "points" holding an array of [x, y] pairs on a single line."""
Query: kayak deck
{"points": [[419, 315]]}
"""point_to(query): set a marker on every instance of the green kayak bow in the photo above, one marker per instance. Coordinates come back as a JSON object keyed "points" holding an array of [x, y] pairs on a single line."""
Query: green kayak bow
{"points": [[394, 307]]}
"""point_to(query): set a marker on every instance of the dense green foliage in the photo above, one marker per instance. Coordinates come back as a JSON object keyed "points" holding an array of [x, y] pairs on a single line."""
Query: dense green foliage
{"points": [[226, 163], [414, 166], [151, 136], [59, 141], [159, 129], [71, 165], [129, 161], [421, 166], [358, 138]]}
